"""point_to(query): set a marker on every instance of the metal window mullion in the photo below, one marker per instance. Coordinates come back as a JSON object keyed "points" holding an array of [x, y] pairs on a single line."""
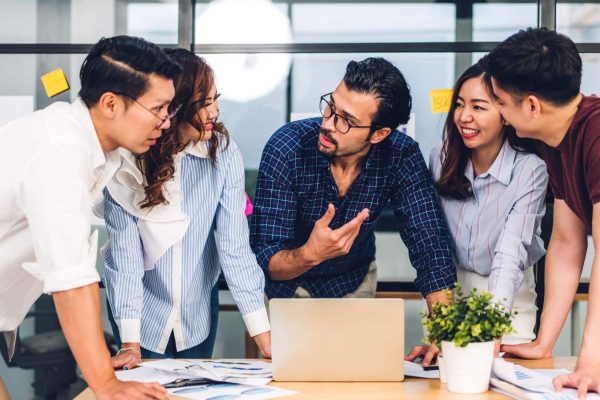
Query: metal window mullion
{"points": [[547, 14], [185, 26]]}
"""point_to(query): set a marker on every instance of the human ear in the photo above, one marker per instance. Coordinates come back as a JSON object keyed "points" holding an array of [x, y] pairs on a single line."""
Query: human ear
{"points": [[379, 135]]}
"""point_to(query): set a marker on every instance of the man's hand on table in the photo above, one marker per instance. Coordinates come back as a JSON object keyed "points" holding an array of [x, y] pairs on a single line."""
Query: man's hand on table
{"points": [[529, 351], [585, 378], [117, 390]]}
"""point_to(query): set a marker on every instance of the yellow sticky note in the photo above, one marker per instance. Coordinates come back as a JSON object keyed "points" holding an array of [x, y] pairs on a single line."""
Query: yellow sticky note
{"points": [[55, 82], [440, 100]]}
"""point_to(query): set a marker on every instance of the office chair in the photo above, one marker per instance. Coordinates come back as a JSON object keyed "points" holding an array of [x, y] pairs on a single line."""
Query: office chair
{"points": [[49, 355]]}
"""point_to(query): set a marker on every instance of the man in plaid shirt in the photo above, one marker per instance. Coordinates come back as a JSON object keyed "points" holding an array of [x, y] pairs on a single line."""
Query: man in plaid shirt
{"points": [[323, 182]]}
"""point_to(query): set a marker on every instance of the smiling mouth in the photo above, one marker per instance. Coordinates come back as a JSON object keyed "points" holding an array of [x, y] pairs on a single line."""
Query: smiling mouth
{"points": [[468, 133]]}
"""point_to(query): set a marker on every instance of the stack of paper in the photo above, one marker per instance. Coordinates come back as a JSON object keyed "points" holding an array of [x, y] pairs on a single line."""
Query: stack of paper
{"points": [[211, 379], [416, 370], [519, 382]]}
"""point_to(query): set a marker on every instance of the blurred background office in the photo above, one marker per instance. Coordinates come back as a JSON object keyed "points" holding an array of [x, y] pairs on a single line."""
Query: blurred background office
{"points": [[273, 60]]}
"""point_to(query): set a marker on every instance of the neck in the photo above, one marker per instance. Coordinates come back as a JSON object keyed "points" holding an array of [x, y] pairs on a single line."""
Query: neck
{"points": [[483, 158], [559, 122], [102, 128], [188, 133], [351, 162]]}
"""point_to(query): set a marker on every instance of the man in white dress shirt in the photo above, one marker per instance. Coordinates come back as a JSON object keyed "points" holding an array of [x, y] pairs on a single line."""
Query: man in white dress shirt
{"points": [[53, 163]]}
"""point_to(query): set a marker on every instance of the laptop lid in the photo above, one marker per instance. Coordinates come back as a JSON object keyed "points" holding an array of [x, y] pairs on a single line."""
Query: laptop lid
{"points": [[337, 339]]}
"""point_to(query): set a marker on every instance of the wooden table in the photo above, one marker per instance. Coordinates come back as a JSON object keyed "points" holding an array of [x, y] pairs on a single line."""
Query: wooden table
{"points": [[411, 388]]}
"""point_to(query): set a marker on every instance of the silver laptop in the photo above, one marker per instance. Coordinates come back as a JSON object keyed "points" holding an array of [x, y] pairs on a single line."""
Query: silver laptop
{"points": [[337, 340]]}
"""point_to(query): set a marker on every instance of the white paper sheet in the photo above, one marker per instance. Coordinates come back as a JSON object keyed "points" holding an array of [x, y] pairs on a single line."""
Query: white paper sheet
{"points": [[416, 370], [230, 391], [238, 369], [147, 375], [261, 374], [531, 383]]}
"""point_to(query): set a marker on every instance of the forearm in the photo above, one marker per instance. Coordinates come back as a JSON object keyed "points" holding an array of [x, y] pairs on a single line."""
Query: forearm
{"points": [[562, 272], [290, 264], [80, 317], [438, 297], [505, 279], [591, 333]]}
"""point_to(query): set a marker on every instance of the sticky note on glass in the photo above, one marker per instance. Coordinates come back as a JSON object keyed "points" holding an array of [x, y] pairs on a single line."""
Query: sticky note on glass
{"points": [[440, 100], [55, 82]]}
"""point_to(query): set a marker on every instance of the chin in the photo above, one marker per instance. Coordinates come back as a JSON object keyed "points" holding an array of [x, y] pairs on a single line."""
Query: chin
{"points": [[206, 135], [329, 153], [141, 149]]}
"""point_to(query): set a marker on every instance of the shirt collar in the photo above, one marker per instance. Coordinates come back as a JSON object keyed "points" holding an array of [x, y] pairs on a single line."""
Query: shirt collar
{"points": [[197, 149], [501, 168], [82, 114]]}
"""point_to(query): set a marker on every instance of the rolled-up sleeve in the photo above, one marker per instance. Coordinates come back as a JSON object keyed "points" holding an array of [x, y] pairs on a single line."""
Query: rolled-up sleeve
{"points": [[421, 225], [274, 216], [55, 199], [520, 245], [124, 269], [244, 277]]}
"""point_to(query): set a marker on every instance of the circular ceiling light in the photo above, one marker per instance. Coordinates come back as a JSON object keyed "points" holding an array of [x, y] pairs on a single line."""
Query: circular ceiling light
{"points": [[245, 77]]}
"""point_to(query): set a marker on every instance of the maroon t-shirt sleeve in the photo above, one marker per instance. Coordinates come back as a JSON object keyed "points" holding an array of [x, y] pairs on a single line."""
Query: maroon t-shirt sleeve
{"points": [[592, 158], [553, 163]]}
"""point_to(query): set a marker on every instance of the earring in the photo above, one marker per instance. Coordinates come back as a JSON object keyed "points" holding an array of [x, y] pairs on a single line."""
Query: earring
{"points": [[504, 122]]}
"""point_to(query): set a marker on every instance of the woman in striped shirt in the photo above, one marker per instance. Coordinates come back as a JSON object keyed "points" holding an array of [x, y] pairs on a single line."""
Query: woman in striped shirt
{"points": [[175, 217], [492, 191]]}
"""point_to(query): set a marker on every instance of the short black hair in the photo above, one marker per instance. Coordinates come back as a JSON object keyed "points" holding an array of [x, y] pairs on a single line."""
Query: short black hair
{"points": [[381, 78], [536, 61], [122, 64]]}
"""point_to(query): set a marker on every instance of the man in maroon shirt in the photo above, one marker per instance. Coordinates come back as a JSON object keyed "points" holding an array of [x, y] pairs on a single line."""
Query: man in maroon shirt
{"points": [[536, 76]]}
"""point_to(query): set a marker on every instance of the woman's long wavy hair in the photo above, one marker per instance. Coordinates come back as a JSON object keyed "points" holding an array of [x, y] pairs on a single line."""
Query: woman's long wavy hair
{"points": [[192, 86], [455, 155]]}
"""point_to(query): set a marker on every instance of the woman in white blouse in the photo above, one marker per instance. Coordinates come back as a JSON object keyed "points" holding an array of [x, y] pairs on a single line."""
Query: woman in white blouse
{"points": [[175, 219], [492, 190]]}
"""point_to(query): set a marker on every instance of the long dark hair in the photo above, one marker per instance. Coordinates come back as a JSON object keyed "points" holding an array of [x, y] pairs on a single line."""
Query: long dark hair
{"points": [[455, 155], [192, 87]]}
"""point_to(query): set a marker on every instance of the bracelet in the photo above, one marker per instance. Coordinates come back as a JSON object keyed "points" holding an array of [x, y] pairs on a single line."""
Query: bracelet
{"points": [[129, 348]]}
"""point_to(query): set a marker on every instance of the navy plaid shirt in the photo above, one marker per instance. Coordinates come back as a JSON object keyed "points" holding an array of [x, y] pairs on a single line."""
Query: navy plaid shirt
{"points": [[293, 190]]}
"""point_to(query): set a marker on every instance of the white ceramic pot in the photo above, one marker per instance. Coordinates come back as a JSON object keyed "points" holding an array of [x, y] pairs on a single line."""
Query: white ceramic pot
{"points": [[442, 368], [468, 368]]}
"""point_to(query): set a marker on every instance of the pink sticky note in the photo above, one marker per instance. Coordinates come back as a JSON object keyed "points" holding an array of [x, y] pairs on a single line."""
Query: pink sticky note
{"points": [[249, 206]]}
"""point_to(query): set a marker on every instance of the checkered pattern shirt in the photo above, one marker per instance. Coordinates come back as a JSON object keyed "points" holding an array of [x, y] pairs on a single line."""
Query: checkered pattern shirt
{"points": [[293, 190]]}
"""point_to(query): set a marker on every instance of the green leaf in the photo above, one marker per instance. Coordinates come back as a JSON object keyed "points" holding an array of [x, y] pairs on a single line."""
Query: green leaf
{"points": [[467, 319]]}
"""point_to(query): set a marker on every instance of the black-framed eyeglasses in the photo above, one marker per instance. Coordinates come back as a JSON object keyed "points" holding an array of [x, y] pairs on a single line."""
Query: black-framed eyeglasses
{"points": [[341, 122], [162, 120]]}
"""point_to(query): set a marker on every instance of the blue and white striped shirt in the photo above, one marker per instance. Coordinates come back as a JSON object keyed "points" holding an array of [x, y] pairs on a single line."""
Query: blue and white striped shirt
{"points": [[174, 295], [496, 232]]}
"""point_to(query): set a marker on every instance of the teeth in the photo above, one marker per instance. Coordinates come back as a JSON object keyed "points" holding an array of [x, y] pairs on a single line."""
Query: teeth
{"points": [[470, 131]]}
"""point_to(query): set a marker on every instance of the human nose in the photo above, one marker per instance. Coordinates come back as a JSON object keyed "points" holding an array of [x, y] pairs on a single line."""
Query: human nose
{"points": [[329, 123], [213, 110], [465, 115]]}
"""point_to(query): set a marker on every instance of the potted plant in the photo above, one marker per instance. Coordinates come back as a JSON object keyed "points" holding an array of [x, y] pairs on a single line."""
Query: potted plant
{"points": [[465, 330]]}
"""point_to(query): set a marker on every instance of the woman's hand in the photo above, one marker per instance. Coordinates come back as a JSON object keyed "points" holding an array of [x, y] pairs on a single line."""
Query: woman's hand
{"points": [[128, 357], [428, 352], [263, 341]]}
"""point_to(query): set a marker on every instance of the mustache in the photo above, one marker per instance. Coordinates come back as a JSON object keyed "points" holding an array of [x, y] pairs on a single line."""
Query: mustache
{"points": [[327, 135]]}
